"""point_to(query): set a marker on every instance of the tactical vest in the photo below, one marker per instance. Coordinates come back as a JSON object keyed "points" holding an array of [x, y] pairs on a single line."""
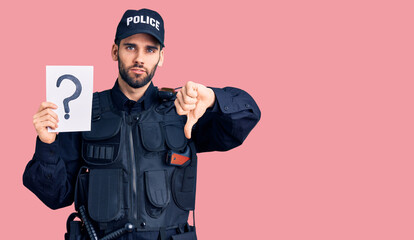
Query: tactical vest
{"points": [[139, 168]]}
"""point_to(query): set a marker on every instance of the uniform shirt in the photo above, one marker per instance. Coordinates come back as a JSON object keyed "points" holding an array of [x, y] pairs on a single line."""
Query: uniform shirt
{"points": [[51, 174]]}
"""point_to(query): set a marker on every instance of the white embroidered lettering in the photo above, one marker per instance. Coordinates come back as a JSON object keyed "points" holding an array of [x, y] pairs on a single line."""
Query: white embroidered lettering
{"points": [[129, 20], [136, 19], [145, 20]]}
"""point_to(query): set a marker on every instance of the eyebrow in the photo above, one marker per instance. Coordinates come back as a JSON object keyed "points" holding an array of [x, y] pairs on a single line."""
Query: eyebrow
{"points": [[134, 45], [152, 47], [130, 44]]}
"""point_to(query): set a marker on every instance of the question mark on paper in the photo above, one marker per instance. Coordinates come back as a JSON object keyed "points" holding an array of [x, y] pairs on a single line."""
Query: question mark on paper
{"points": [[74, 95]]}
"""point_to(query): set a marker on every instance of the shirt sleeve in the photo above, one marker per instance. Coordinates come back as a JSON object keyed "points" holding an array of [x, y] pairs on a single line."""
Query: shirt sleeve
{"points": [[51, 174], [227, 124]]}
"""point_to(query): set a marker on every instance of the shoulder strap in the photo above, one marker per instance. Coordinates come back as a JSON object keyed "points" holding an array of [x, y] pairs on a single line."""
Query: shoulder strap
{"points": [[101, 102]]}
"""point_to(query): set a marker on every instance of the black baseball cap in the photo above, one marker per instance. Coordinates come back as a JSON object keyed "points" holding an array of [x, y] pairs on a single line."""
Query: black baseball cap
{"points": [[141, 21]]}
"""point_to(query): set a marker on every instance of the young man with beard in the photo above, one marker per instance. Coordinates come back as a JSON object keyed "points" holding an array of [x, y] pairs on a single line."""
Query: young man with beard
{"points": [[133, 176]]}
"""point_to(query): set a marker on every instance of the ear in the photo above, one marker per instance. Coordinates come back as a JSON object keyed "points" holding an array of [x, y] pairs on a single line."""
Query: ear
{"points": [[161, 61], [114, 52]]}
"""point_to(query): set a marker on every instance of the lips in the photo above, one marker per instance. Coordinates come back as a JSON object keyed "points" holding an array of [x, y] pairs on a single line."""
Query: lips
{"points": [[138, 70]]}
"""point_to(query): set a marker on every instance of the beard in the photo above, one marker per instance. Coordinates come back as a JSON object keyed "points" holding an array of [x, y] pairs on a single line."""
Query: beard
{"points": [[135, 80]]}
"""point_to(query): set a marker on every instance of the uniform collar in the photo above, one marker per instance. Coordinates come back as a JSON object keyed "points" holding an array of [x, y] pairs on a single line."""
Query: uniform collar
{"points": [[122, 103]]}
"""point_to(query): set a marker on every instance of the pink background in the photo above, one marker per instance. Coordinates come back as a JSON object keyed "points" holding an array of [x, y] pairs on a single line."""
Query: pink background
{"points": [[332, 157]]}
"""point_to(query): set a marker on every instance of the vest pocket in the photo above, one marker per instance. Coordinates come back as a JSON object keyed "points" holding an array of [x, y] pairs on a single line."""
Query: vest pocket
{"points": [[175, 137], [151, 136], [157, 191], [154, 135], [105, 198], [100, 146], [184, 187]]}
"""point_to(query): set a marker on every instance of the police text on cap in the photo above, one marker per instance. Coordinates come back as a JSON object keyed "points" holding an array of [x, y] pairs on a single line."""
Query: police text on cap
{"points": [[148, 20]]}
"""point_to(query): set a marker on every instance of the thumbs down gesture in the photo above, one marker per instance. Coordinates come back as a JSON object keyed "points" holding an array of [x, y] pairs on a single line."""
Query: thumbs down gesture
{"points": [[192, 100]]}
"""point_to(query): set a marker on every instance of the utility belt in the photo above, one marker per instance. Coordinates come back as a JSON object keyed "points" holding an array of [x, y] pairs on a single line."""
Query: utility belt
{"points": [[83, 229]]}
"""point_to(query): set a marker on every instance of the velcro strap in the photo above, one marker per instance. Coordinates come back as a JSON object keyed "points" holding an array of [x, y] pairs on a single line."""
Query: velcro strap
{"points": [[162, 235]]}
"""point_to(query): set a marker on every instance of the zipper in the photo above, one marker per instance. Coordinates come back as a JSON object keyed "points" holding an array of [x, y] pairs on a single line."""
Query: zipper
{"points": [[134, 201]]}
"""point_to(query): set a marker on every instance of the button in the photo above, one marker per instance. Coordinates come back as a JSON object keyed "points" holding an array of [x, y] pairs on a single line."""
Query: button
{"points": [[129, 227], [143, 224], [247, 105], [226, 108], [136, 118]]}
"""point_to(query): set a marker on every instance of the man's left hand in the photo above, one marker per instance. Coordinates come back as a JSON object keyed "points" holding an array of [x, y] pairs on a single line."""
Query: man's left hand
{"points": [[193, 99]]}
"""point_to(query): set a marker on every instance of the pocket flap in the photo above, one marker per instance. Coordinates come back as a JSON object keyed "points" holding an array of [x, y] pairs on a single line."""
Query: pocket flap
{"points": [[156, 183], [106, 127], [175, 137], [151, 136]]}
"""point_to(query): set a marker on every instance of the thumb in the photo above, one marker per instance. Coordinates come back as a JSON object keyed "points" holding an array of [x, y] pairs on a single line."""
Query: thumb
{"points": [[191, 120]]}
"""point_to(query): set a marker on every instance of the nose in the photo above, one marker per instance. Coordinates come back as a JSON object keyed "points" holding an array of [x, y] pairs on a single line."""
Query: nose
{"points": [[139, 58]]}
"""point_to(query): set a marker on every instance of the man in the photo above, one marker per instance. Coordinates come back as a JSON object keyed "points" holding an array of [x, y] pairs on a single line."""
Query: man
{"points": [[133, 175]]}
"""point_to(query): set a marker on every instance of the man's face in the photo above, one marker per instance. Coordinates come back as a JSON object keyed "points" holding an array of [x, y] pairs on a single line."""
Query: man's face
{"points": [[138, 57]]}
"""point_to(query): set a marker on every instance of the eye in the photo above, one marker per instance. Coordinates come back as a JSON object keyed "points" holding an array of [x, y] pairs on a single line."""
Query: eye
{"points": [[150, 50], [130, 48]]}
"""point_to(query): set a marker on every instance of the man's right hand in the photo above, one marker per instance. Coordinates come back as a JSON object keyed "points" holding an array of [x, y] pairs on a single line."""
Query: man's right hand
{"points": [[45, 118]]}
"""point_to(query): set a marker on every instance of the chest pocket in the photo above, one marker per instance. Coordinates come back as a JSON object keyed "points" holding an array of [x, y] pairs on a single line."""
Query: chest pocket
{"points": [[152, 136], [160, 136], [175, 137], [100, 146]]}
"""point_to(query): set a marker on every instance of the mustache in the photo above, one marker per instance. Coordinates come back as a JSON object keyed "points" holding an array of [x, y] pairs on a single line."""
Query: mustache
{"points": [[138, 66]]}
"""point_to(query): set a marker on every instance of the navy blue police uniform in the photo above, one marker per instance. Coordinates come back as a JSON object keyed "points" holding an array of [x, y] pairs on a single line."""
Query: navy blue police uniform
{"points": [[133, 176]]}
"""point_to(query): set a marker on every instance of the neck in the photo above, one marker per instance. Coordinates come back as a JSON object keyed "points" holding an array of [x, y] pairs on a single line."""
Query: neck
{"points": [[132, 93]]}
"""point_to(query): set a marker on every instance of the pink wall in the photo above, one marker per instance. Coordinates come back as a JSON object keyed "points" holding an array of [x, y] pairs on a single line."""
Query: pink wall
{"points": [[332, 157]]}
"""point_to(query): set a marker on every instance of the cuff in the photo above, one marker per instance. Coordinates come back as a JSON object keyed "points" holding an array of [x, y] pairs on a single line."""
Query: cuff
{"points": [[224, 102], [45, 152]]}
